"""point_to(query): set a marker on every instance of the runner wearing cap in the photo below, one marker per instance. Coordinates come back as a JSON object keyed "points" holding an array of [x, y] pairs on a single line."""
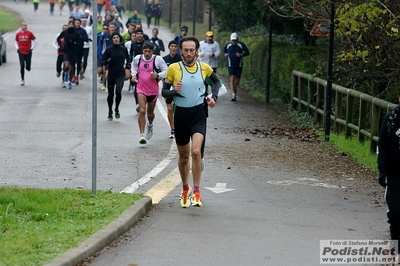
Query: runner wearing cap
{"points": [[209, 51], [88, 17], [235, 51]]}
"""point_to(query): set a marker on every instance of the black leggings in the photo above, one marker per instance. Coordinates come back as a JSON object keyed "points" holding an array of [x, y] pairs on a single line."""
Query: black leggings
{"points": [[393, 201], [79, 55], [85, 58], [24, 62], [118, 83], [60, 61]]}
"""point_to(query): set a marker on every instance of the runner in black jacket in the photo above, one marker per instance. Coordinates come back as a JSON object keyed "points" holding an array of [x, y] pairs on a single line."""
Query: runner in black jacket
{"points": [[116, 56], [73, 42], [389, 173]]}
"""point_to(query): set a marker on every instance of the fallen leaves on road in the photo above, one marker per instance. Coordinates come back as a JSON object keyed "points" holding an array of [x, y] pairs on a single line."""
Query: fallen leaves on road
{"points": [[299, 133]]}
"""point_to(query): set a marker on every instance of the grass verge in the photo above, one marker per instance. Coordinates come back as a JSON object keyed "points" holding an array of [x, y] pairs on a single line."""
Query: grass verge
{"points": [[9, 19], [38, 225], [357, 150]]}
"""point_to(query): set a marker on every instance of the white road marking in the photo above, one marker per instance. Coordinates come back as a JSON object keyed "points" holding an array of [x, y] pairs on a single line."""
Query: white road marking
{"points": [[164, 163], [219, 188], [303, 181]]}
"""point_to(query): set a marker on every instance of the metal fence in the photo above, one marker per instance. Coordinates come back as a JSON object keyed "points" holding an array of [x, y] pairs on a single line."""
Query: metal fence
{"points": [[353, 112]]}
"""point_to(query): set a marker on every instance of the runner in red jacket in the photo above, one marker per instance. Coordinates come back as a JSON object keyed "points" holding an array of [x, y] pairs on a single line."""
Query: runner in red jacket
{"points": [[25, 42]]}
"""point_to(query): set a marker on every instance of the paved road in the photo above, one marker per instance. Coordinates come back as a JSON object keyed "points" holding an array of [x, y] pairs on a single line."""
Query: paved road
{"points": [[275, 214], [47, 129]]}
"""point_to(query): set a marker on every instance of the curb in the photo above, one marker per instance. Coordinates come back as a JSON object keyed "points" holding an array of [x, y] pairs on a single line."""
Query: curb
{"points": [[104, 236]]}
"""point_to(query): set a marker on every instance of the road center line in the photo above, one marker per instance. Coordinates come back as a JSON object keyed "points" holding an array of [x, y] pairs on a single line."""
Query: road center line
{"points": [[161, 166]]}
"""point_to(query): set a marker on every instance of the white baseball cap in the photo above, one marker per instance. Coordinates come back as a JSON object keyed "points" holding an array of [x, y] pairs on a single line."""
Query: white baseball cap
{"points": [[234, 36], [87, 11]]}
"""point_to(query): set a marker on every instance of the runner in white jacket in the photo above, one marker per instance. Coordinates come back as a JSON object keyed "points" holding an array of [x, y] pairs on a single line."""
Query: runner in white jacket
{"points": [[209, 51]]}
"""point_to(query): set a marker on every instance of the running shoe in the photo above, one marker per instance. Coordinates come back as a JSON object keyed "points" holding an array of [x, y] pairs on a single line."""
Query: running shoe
{"points": [[110, 117], [149, 132], [103, 87], [131, 90], [81, 76], [22, 82], [117, 115], [172, 134], [142, 139], [65, 77], [76, 80], [233, 99], [69, 85], [196, 199], [62, 84], [58, 74], [73, 79], [185, 197]]}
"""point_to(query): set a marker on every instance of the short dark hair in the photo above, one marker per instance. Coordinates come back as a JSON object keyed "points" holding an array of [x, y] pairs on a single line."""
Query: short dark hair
{"points": [[148, 45], [189, 38]]}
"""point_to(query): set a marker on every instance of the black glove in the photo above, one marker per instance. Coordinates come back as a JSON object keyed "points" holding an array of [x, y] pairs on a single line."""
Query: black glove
{"points": [[17, 50], [30, 50], [383, 180]]}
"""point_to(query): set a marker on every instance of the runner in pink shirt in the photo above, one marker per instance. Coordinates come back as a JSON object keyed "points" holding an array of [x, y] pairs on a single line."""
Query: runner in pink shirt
{"points": [[147, 70]]}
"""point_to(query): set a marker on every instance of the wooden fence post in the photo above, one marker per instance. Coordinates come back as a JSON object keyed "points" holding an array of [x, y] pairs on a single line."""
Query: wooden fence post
{"points": [[300, 94], [376, 113], [362, 119], [338, 111], [319, 103], [294, 89], [349, 114]]}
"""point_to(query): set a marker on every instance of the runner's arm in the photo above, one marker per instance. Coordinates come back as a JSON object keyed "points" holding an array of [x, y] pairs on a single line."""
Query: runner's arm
{"points": [[166, 89], [162, 66], [215, 88], [34, 43]]}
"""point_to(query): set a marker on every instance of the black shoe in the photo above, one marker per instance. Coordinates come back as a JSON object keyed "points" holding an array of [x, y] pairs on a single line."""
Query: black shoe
{"points": [[117, 115], [110, 117]]}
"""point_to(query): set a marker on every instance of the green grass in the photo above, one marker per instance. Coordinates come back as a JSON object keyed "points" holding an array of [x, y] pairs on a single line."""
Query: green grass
{"points": [[37, 225], [357, 150], [9, 20]]}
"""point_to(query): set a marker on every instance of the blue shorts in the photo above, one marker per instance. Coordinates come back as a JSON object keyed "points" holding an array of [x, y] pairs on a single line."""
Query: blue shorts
{"points": [[235, 71]]}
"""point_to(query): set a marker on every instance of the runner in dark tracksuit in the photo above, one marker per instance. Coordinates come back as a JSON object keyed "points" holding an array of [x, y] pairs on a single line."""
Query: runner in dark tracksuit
{"points": [[389, 173], [116, 56], [79, 54], [73, 42]]}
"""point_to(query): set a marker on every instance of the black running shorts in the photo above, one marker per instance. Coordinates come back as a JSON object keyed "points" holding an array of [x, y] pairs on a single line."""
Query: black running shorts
{"points": [[187, 121]]}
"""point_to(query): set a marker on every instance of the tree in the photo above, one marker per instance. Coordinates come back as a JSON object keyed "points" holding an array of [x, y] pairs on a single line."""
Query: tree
{"points": [[369, 35], [234, 15]]}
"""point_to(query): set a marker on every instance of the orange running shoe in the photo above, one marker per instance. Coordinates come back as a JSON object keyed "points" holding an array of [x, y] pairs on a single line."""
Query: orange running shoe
{"points": [[196, 199], [185, 197]]}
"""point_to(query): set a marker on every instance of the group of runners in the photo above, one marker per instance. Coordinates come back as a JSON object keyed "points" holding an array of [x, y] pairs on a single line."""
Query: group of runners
{"points": [[190, 83]]}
